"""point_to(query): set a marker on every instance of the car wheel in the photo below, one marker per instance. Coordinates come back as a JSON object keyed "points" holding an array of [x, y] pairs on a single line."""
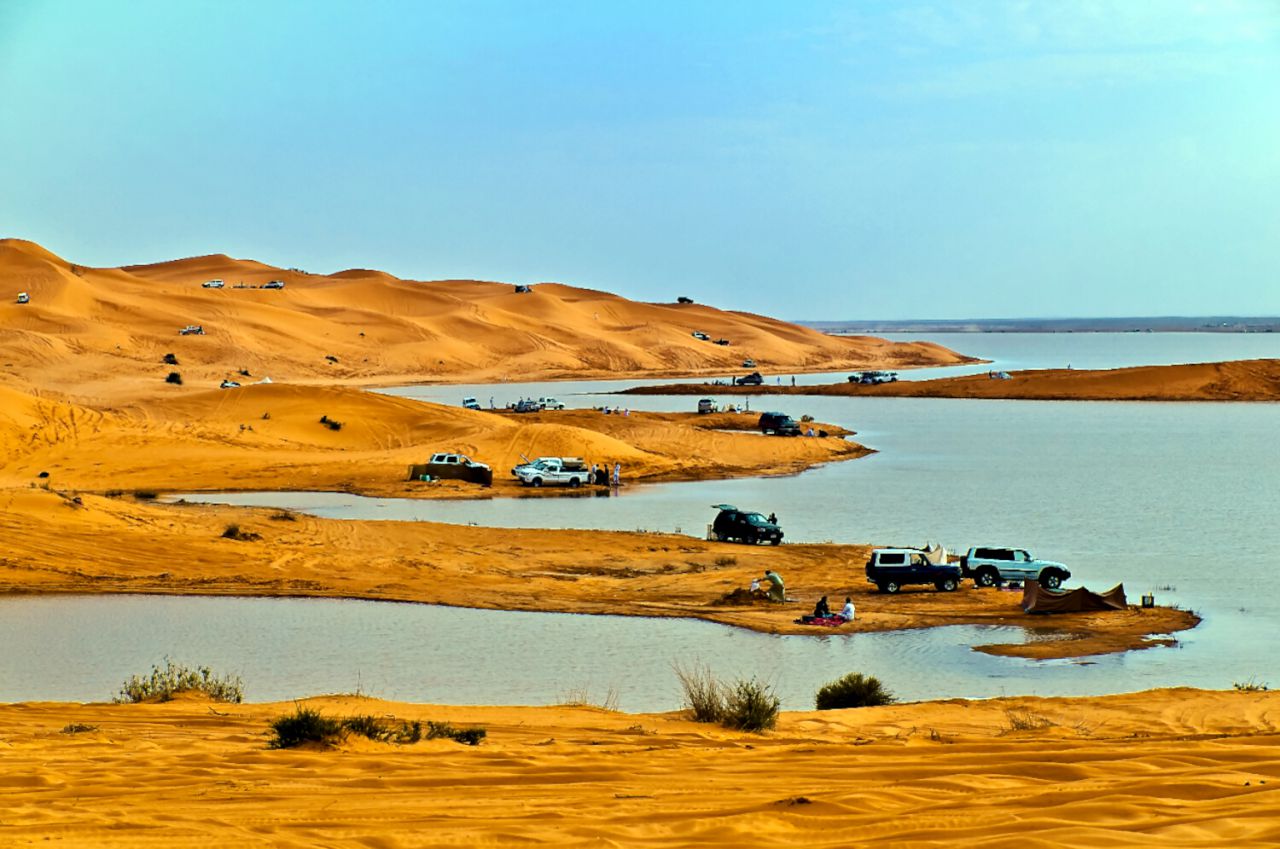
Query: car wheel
{"points": [[947, 585], [574, 483], [1051, 580], [890, 586], [775, 541], [751, 540], [536, 481], [719, 537], [987, 577]]}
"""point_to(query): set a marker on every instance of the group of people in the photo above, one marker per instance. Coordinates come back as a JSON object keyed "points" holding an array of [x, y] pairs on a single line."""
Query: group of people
{"points": [[776, 591], [600, 474]]}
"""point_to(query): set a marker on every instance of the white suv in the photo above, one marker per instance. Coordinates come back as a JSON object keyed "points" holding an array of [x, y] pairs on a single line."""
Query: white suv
{"points": [[990, 567], [213, 284]]}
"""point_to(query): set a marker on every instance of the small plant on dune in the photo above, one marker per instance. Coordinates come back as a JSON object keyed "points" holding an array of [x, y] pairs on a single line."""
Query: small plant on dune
{"points": [[703, 694], [237, 533], [853, 690], [78, 728], [722, 562], [1025, 720], [174, 377], [283, 516], [305, 725], [383, 730], [1253, 685], [467, 736], [164, 683], [171, 359], [581, 697], [750, 705], [113, 493]]}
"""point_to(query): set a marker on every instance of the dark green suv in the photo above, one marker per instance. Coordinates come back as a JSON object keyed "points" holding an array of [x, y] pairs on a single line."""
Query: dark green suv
{"points": [[734, 525]]}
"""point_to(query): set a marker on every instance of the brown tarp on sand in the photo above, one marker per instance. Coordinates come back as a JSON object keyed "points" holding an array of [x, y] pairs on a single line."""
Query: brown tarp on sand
{"points": [[1037, 599]]}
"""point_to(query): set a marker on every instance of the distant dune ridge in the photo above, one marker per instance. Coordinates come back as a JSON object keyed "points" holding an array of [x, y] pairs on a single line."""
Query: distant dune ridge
{"points": [[89, 330]]}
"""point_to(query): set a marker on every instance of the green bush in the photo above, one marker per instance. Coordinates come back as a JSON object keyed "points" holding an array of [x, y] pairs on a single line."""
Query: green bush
{"points": [[163, 684], [305, 725], [853, 690], [469, 736], [703, 694], [750, 705], [383, 730]]}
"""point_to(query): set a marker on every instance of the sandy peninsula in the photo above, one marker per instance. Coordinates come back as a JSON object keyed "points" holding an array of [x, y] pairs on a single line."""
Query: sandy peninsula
{"points": [[1237, 380], [1174, 768]]}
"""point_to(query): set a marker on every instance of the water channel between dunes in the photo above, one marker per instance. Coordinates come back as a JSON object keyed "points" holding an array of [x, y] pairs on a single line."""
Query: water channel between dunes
{"points": [[1178, 499]]}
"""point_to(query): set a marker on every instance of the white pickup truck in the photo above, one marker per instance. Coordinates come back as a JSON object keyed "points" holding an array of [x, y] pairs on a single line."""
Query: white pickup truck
{"points": [[553, 471]]}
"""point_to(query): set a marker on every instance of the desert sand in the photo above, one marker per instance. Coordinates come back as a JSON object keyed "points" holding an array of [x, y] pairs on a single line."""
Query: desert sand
{"points": [[1173, 768], [102, 333], [1238, 380]]}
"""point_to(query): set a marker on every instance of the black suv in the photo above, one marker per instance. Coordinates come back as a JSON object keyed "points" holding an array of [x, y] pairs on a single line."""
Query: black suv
{"points": [[779, 424], [753, 379], [734, 525], [891, 568]]}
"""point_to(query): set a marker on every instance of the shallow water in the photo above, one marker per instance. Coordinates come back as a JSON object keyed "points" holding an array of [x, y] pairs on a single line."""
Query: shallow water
{"points": [[83, 647]]}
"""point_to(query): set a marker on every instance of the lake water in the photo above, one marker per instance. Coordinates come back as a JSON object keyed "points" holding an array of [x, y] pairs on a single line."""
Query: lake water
{"points": [[1179, 499]]}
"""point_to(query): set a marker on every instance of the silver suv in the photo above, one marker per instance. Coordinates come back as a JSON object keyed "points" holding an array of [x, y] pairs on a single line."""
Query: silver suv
{"points": [[990, 567]]}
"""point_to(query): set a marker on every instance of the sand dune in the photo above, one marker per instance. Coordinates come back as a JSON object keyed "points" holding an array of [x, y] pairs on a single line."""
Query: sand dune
{"points": [[270, 437], [95, 333], [1237, 380], [1174, 768]]}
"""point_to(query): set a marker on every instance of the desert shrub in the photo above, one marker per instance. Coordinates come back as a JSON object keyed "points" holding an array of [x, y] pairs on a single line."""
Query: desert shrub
{"points": [[331, 358], [468, 736], [78, 728], [305, 725], [581, 697], [1253, 685], [174, 377], [726, 561], [750, 705], [171, 359], [853, 690], [146, 494], [162, 684], [113, 493], [703, 694], [383, 730], [238, 533], [1025, 720], [283, 516]]}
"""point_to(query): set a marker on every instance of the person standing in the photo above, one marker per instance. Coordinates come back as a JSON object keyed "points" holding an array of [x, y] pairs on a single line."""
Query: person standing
{"points": [[617, 474], [777, 591]]}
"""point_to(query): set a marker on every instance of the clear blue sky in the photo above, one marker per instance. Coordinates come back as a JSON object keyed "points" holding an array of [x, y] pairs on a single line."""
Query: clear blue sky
{"points": [[806, 160]]}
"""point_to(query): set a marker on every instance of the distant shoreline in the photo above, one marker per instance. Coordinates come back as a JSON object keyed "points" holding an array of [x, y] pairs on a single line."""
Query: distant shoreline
{"points": [[1131, 324]]}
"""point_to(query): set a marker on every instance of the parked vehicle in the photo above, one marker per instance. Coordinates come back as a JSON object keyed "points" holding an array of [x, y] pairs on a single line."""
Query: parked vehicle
{"points": [[213, 284], [698, 334], [273, 284], [521, 289], [890, 569], [753, 379], [24, 298], [779, 424], [449, 466], [990, 567], [873, 378], [706, 405], [748, 363], [734, 525], [471, 403], [554, 471], [192, 330], [526, 405], [229, 384], [550, 404]]}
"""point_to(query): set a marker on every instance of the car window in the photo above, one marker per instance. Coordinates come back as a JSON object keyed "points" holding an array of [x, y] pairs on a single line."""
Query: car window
{"points": [[1021, 556], [892, 558], [437, 458], [918, 560]]}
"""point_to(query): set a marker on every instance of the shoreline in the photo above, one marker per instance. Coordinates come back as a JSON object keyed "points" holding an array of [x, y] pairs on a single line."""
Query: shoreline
{"points": [[120, 545], [1254, 381]]}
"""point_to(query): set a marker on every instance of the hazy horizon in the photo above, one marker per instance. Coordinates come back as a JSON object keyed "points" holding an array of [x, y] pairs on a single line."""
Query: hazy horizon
{"points": [[1032, 160]]}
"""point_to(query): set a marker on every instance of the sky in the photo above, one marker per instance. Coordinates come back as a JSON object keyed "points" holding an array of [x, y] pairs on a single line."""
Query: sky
{"points": [[807, 160]]}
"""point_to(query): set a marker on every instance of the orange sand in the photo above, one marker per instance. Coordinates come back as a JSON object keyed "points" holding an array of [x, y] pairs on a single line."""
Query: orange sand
{"points": [[1170, 768], [1238, 380], [102, 333]]}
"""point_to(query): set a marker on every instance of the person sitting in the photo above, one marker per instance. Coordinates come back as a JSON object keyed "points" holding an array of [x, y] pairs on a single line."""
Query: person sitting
{"points": [[821, 610], [777, 591], [847, 612]]}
